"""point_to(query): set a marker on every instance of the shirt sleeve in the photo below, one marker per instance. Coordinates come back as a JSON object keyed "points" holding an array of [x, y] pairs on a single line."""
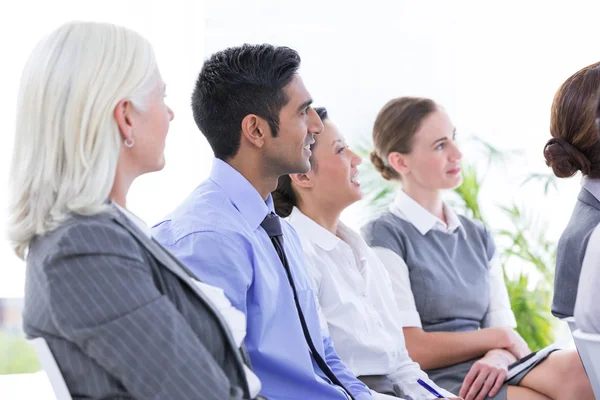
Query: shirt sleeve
{"points": [[358, 389], [381, 396], [398, 272], [499, 312], [587, 312], [407, 382], [218, 260], [341, 371], [314, 276]]}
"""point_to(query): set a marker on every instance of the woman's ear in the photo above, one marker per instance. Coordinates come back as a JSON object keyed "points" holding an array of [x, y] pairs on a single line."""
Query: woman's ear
{"points": [[398, 162], [122, 114], [303, 180]]}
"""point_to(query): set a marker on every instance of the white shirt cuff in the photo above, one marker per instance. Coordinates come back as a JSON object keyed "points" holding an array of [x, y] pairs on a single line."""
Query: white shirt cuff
{"points": [[500, 318], [381, 396], [410, 319], [411, 388]]}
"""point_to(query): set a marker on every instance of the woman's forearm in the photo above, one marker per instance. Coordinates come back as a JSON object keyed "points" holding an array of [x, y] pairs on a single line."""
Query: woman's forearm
{"points": [[441, 349]]}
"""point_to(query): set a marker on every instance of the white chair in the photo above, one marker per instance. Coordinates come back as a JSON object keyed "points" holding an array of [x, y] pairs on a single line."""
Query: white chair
{"points": [[571, 322], [588, 346], [51, 368]]}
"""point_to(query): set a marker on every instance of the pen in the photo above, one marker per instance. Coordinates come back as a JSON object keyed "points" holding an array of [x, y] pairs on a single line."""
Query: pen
{"points": [[430, 389]]}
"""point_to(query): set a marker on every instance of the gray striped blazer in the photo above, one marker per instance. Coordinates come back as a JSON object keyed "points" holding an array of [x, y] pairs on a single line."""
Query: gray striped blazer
{"points": [[570, 252], [123, 319]]}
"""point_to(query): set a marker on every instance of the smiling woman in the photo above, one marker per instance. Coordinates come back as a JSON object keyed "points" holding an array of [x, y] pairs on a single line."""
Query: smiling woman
{"points": [[351, 285]]}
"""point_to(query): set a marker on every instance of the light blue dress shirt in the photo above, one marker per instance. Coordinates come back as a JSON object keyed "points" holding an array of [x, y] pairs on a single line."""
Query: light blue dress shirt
{"points": [[216, 232]]}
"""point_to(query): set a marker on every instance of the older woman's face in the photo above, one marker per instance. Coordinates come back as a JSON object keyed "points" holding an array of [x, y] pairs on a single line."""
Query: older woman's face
{"points": [[150, 127]]}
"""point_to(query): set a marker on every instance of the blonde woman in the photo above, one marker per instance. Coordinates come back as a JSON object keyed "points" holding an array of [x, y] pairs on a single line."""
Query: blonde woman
{"points": [[123, 318]]}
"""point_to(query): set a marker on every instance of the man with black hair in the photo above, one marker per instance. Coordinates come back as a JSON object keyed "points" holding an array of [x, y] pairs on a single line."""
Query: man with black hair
{"points": [[254, 110]]}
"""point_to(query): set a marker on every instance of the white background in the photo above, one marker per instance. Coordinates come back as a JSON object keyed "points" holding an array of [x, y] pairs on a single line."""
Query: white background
{"points": [[494, 66]]}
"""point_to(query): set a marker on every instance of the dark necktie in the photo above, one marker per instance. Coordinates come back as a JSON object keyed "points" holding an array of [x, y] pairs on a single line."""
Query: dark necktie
{"points": [[272, 226]]}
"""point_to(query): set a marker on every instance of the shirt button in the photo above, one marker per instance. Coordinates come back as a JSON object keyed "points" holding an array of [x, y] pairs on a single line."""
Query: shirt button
{"points": [[364, 294], [379, 324]]}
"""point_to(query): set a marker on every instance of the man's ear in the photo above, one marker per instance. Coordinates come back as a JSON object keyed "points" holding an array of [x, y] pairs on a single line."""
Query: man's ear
{"points": [[255, 130], [303, 180], [398, 162], [122, 114]]}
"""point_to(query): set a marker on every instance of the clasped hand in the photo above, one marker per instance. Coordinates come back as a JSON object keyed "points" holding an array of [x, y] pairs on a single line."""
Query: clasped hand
{"points": [[486, 376]]}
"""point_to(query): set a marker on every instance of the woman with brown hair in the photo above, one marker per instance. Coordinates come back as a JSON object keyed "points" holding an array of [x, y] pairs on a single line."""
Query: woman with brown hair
{"points": [[447, 280], [574, 147]]}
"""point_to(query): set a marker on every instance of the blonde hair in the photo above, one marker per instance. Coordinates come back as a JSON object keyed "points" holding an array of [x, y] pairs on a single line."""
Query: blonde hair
{"points": [[67, 142]]}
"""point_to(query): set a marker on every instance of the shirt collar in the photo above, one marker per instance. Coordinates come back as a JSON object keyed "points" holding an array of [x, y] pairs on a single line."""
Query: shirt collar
{"points": [[408, 209], [137, 221], [311, 231], [316, 234], [243, 195], [591, 185]]}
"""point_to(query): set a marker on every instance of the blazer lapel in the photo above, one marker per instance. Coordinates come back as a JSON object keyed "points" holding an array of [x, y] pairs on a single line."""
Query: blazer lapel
{"points": [[175, 266], [586, 197]]}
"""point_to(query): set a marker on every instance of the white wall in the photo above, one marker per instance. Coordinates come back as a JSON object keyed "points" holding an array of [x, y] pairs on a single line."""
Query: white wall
{"points": [[176, 31], [494, 65]]}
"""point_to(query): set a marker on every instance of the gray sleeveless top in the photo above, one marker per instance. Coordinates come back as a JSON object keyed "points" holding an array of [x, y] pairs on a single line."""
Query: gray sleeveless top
{"points": [[449, 277], [449, 271]]}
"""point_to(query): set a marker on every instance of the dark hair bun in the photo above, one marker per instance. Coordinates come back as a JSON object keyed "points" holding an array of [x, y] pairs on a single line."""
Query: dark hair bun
{"points": [[564, 159]]}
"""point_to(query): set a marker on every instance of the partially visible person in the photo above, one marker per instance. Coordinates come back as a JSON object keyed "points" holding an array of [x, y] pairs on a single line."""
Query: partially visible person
{"points": [[122, 317], [575, 147], [587, 311], [352, 287], [448, 283], [253, 108]]}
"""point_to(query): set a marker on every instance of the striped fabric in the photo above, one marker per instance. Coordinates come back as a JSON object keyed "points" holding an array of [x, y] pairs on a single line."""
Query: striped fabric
{"points": [[123, 318]]}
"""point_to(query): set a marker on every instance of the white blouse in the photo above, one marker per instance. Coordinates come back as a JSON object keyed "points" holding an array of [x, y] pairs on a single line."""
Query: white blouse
{"points": [[354, 293]]}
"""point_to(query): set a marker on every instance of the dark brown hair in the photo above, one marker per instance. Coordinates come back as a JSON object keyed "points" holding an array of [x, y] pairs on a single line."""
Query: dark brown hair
{"points": [[284, 197], [395, 128], [575, 145]]}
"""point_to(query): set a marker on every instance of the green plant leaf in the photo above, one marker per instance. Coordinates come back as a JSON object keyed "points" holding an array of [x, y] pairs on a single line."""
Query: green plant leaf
{"points": [[18, 356]]}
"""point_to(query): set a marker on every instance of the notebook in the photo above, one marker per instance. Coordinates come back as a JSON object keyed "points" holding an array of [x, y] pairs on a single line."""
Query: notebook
{"points": [[534, 358]]}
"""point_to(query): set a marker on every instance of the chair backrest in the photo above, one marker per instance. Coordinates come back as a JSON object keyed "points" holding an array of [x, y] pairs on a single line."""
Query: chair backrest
{"points": [[51, 368], [588, 346], [571, 322]]}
